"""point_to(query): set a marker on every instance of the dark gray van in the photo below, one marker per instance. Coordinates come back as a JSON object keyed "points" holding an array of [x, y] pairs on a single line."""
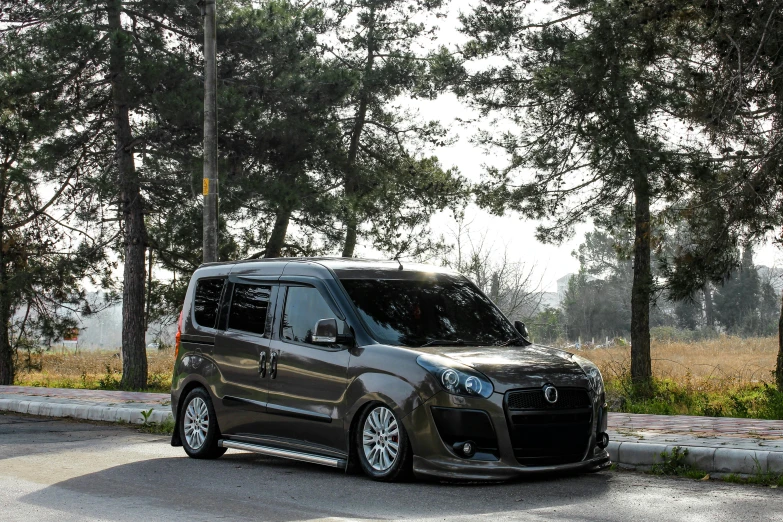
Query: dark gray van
{"points": [[391, 368]]}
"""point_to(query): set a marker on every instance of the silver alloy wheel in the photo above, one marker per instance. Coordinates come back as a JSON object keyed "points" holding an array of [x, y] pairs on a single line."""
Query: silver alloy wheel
{"points": [[381, 438], [196, 423]]}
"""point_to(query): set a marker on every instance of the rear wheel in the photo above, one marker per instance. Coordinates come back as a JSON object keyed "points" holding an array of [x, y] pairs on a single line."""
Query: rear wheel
{"points": [[198, 426], [383, 446]]}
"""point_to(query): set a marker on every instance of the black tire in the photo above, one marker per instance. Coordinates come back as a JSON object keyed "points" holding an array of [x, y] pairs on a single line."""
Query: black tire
{"points": [[208, 447], [401, 468]]}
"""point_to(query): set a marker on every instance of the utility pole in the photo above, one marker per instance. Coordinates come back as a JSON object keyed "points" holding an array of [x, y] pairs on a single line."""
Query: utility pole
{"points": [[210, 186]]}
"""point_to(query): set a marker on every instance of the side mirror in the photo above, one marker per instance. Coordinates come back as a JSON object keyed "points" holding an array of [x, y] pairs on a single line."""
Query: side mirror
{"points": [[522, 329], [325, 331]]}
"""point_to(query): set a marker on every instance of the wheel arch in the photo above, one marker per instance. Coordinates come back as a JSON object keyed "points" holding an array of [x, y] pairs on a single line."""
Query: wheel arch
{"points": [[189, 385], [377, 388]]}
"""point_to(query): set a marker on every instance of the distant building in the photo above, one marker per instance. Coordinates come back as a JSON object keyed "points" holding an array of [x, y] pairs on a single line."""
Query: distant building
{"points": [[562, 287], [549, 300]]}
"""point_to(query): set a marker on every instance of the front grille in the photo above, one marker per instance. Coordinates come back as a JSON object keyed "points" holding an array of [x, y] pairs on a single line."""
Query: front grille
{"points": [[544, 434], [567, 399]]}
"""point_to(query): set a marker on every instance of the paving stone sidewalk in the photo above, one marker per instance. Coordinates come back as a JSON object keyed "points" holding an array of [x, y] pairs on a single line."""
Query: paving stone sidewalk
{"points": [[115, 397], [715, 444]]}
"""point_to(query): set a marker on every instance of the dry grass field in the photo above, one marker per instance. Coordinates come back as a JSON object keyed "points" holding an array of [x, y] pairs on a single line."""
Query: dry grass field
{"points": [[726, 376], [89, 369], [722, 377], [720, 363]]}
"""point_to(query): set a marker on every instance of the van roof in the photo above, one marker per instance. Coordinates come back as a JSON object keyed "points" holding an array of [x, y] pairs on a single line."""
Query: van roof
{"points": [[341, 263]]}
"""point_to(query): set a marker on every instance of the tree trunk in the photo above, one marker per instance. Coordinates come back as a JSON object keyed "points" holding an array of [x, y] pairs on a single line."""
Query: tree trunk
{"points": [[494, 289], [276, 241], [351, 179], [351, 228], [709, 315], [641, 363], [134, 352], [779, 368], [6, 351]]}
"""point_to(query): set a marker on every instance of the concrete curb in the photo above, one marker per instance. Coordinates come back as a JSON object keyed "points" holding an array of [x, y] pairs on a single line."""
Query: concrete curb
{"points": [[127, 413], [710, 460]]}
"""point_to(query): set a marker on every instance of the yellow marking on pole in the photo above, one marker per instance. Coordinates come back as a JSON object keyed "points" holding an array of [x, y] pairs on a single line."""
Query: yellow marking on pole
{"points": [[206, 187]]}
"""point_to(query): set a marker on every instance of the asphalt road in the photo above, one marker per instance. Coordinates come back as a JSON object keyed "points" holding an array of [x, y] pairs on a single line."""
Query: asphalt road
{"points": [[63, 470]]}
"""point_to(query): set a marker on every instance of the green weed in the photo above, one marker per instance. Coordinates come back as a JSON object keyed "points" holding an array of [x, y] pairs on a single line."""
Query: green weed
{"points": [[761, 477], [674, 465], [666, 397], [164, 428], [146, 415]]}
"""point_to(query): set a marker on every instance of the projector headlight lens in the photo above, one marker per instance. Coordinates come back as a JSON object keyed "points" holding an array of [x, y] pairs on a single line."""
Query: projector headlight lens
{"points": [[456, 378]]}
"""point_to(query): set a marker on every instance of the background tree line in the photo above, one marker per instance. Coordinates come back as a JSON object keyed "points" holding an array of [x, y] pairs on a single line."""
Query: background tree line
{"points": [[596, 305], [659, 117]]}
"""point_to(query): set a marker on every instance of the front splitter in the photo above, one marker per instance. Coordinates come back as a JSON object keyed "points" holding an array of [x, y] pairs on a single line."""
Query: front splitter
{"points": [[498, 471]]}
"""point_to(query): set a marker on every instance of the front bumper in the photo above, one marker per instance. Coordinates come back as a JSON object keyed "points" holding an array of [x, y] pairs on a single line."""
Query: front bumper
{"points": [[435, 458]]}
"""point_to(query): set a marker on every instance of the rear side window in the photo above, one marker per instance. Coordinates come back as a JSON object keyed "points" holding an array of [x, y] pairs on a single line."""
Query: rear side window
{"points": [[207, 299], [249, 306]]}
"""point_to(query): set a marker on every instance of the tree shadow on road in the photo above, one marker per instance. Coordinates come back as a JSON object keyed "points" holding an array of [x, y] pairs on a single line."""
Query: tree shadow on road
{"points": [[245, 486]]}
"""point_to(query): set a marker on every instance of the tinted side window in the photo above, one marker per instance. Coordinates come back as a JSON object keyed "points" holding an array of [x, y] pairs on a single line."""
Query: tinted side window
{"points": [[249, 306], [207, 299], [304, 307]]}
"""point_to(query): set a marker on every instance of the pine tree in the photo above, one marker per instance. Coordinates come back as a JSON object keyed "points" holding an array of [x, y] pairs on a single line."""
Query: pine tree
{"points": [[279, 111], [52, 238], [585, 93], [735, 97], [120, 65], [742, 303], [389, 186]]}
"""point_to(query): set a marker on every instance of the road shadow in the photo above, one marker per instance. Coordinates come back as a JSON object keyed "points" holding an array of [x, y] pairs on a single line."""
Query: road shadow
{"points": [[241, 485], [32, 435]]}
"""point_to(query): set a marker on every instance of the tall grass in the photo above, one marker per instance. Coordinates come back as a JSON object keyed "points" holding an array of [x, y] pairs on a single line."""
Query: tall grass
{"points": [[721, 377], [94, 370]]}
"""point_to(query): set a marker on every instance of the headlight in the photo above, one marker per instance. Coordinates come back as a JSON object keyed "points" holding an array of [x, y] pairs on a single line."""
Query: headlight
{"points": [[456, 378], [592, 372]]}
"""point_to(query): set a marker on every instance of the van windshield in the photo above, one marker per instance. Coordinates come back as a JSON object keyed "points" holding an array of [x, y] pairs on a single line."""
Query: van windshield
{"points": [[417, 313]]}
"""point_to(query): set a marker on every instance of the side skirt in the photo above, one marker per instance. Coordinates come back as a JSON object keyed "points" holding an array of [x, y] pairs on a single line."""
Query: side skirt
{"points": [[284, 453]]}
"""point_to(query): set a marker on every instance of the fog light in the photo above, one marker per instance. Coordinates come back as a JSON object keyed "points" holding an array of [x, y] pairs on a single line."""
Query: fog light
{"points": [[465, 449], [603, 440]]}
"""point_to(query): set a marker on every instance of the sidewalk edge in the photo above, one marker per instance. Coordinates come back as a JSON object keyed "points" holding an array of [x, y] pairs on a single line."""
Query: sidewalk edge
{"points": [[122, 414], [709, 460]]}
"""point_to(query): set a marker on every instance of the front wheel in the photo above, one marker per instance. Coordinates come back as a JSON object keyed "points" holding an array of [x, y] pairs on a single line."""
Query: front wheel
{"points": [[198, 426], [383, 446]]}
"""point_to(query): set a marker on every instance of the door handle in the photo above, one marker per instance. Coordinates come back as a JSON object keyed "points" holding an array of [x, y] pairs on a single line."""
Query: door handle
{"points": [[262, 365], [273, 365]]}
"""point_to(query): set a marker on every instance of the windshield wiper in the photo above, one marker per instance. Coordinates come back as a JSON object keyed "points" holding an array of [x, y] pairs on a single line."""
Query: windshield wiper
{"points": [[444, 342]]}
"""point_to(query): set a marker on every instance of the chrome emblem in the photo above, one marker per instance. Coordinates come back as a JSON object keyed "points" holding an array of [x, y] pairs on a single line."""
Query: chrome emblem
{"points": [[550, 394]]}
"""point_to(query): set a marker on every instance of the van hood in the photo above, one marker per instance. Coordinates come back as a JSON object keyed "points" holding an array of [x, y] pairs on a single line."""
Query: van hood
{"points": [[510, 367]]}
